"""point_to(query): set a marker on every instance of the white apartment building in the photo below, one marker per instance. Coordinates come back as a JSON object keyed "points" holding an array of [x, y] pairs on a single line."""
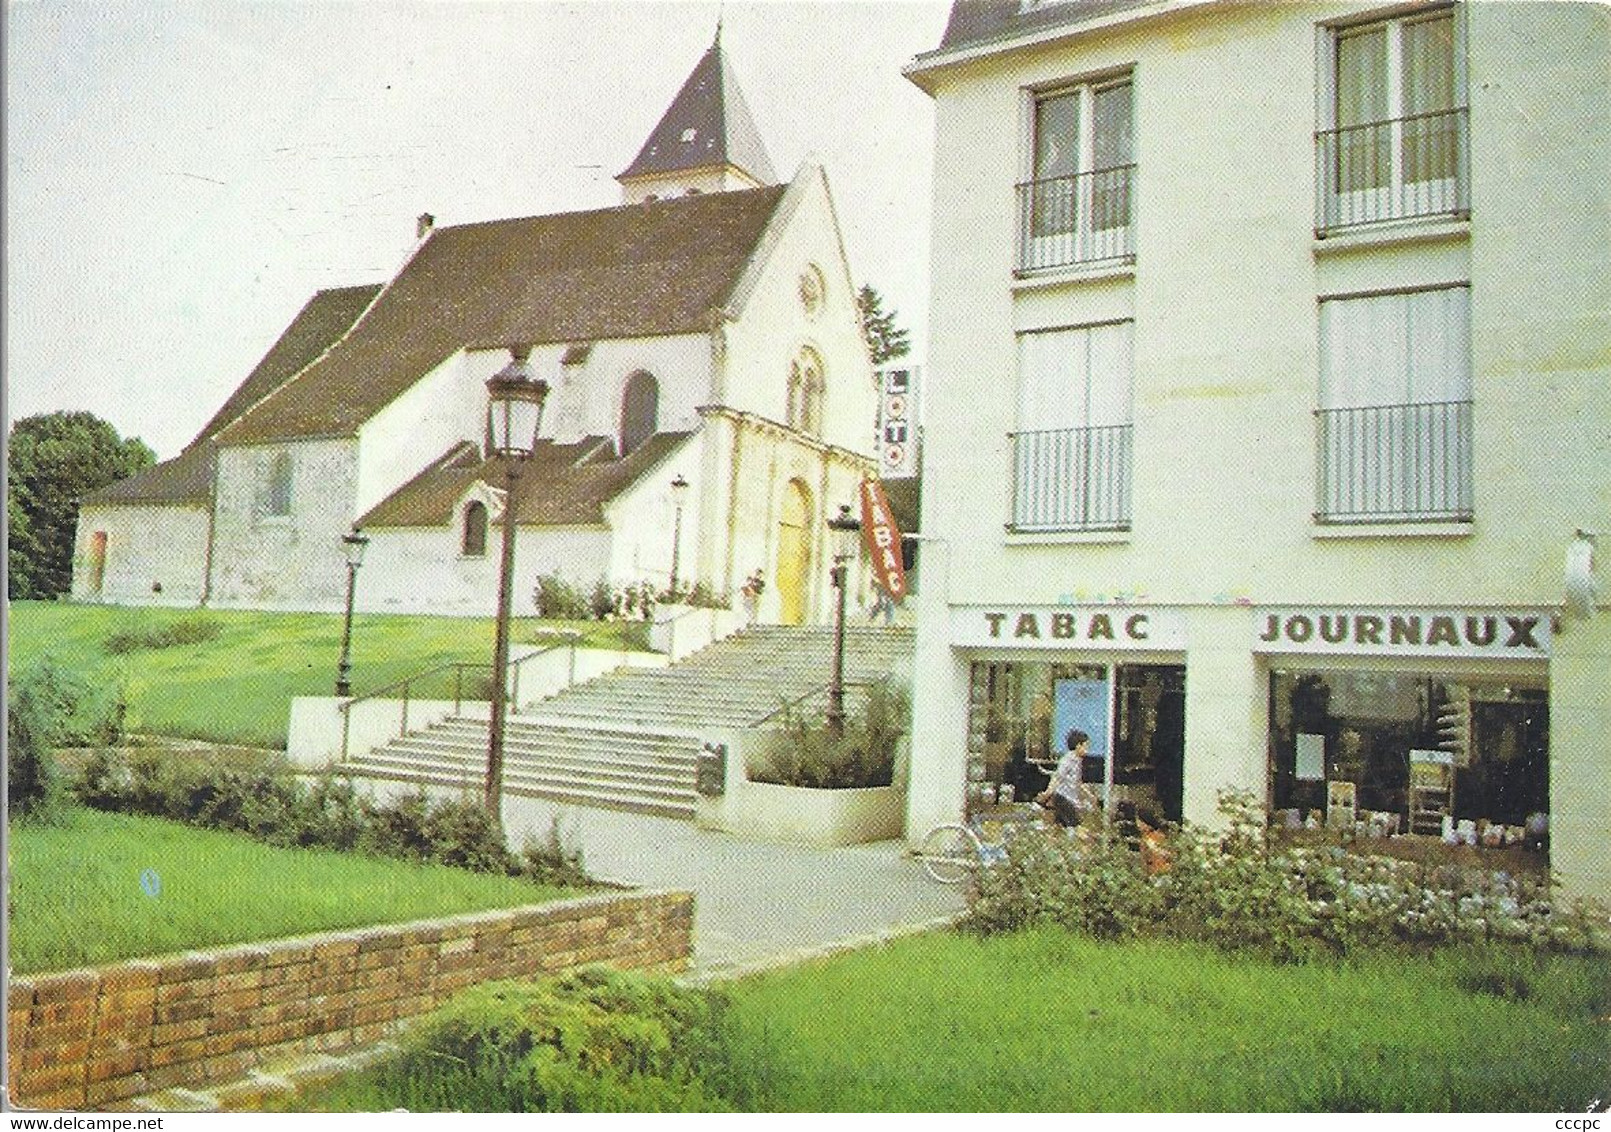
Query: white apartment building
{"points": [[1269, 385]]}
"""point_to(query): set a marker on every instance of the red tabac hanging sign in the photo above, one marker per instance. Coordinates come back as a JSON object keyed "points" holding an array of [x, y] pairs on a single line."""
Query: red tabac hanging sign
{"points": [[883, 539]]}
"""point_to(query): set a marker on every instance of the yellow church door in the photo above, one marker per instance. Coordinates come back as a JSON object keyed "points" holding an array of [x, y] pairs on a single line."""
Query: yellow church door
{"points": [[794, 553]]}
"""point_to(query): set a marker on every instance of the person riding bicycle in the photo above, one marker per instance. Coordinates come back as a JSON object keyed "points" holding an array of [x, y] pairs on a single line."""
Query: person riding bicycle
{"points": [[1063, 793]]}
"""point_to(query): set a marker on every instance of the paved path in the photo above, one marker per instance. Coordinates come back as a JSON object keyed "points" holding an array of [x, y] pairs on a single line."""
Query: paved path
{"points": [[754, 902]]}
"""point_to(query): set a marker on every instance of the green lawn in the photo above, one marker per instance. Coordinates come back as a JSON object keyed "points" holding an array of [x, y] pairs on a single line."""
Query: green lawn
{"points": [[1047, 1021], [237, 687], [81, 893]]}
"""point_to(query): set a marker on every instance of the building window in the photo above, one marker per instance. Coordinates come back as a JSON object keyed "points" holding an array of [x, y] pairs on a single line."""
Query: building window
{"points": [[1395, 407], [1077, 206], [274, 500], [1393, 143], [474, 540], [640, 411], [806, 389], [1071, 453]]}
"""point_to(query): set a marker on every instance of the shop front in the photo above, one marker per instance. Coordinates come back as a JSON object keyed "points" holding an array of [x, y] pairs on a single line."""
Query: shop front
{"points": [[1431, 722], [1036, 674]]}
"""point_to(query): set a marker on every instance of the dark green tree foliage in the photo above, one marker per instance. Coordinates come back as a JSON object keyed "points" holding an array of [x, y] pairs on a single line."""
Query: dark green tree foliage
{"points": [[885, 339], [52, 461]]}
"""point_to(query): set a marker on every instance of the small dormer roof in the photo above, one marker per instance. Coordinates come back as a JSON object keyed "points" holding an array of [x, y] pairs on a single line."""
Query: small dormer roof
{"points": [[707, 124]]}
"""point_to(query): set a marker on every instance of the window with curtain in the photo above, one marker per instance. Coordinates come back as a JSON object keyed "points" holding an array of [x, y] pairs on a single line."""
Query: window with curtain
{"points": [[1076, 206], [1394, 142], [1072, 447], [473, 543], [1395, 406]]}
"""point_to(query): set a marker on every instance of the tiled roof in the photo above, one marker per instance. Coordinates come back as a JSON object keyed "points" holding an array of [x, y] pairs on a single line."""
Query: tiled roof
{"points": [[561, 485], [188, 477], [975, 22], [634, 271], [708, 123]]}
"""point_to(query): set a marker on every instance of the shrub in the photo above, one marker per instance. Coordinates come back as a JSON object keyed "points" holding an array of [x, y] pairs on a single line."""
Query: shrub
{"points": [[808, 755], [36, 716], [139, 635], [602, 601], [593, 1040], [1089, 882], [559, 600], [553, 860]]}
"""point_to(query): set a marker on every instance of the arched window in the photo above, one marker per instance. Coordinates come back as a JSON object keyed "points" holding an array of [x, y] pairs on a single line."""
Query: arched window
{"points": [[277, 485], [640, 410], [474, 543], [806, 388]]}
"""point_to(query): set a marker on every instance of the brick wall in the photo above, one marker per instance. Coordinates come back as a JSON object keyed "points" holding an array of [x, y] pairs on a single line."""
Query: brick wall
{"points": [[94, 1037]]}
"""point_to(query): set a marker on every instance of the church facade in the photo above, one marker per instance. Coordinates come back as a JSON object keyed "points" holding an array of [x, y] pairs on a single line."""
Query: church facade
{"points": [[704, 331]]}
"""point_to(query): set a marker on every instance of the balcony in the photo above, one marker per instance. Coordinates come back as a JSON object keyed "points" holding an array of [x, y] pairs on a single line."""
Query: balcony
{"points": [[1395, 464], [1407, 168], [1086, 218], [1072, 479]]}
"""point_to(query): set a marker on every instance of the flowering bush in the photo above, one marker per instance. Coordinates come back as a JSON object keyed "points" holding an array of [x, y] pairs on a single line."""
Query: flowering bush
{"points": [[1237, 889]]}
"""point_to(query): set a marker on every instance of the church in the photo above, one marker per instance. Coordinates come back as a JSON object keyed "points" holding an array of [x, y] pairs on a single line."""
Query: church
{"points": [[705, 332]]}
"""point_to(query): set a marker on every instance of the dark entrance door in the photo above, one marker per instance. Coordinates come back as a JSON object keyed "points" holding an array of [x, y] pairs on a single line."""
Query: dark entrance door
{"points": [[1149, 736]]}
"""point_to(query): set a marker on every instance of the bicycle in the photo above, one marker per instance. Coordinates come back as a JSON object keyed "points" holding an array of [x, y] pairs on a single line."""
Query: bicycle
{"points": [[952, 851]]}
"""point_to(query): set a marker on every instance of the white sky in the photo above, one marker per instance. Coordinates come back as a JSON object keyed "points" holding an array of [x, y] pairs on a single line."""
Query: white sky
{"points": [[181, 177]]}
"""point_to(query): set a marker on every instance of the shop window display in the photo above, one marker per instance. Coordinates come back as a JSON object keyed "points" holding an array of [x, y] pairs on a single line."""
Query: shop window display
{"points": [[1429, 754]]}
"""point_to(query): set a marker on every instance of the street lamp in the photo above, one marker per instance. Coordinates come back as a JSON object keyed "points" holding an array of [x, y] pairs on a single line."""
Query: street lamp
{"points": [[845, 533], [515, 416], [679, 494], [354, 544]]}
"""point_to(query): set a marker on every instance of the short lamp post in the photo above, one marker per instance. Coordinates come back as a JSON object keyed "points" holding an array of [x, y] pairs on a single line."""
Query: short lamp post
{"points": [[515, 411], [679, 495], [354, 544], [845, 533]]}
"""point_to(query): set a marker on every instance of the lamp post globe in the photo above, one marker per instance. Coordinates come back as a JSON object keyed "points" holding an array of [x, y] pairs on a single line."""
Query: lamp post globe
{"points": [[845, 532], [679, 495], [515, 418], [353, 545]]}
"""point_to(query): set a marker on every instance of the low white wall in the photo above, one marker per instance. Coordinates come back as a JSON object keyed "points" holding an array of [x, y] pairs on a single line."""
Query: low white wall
{"points": [[682, 630]]}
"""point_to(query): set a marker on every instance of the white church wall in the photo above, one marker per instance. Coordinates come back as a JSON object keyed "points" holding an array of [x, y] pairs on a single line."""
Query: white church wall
{"points": [[291, 561], [446, 406], [643, 520], [586, 400], [775, 323], [422, 569], [153, 555]]}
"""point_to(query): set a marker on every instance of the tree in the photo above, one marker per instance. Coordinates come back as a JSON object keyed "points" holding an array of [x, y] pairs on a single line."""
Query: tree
{"points": [[52, 461], [885, 340]]}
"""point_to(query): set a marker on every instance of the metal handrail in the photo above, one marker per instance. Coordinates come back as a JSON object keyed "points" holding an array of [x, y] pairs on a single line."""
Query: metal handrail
{"points": [[459, 668], [820, 690]]}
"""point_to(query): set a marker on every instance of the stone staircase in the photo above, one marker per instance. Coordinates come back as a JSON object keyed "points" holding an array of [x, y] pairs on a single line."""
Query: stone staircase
{"points": [[629, 740]]}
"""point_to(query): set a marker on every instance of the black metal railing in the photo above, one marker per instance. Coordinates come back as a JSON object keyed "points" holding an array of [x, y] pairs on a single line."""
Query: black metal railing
{"points": [[1072, 479], [1086, 218], [1395, 463], [1394, 170]]}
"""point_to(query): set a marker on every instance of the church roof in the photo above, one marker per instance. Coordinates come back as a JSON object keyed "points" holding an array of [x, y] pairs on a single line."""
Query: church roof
{"points": [[188, 477], [975, 23], [561, 485], [708, 123], [633, 271]]}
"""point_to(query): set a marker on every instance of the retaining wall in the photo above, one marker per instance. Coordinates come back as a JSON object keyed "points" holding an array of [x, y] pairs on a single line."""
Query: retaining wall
{"points": [[95, 1037]]}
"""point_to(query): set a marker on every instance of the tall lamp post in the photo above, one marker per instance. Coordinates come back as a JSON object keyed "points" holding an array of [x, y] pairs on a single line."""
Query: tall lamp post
{"points": [[679, 495], [845, 532], [515, 412], [354, 544]]}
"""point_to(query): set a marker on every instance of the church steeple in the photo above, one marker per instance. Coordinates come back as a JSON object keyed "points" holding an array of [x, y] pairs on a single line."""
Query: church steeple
{"points": [[705, 142]]}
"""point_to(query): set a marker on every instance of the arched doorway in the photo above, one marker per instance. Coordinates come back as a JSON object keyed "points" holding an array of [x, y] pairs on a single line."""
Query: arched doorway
{"points": [[640, 410], [794, 553]]}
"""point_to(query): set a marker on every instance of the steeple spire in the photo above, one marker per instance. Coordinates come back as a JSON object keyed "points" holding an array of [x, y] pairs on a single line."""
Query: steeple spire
{"points": [[705, 142]]}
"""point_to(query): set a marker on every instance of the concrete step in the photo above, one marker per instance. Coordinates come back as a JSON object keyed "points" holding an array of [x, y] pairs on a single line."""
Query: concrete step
{"points": [[579, 797], [625, 786], [601, 768]]}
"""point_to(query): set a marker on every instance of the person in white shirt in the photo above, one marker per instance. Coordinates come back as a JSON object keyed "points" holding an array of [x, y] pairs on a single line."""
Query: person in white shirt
{"points": [[1063, 792]]}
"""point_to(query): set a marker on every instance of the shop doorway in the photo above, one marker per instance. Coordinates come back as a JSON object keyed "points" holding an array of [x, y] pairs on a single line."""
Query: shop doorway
{"points": [[1149, 736], [794, 553]]}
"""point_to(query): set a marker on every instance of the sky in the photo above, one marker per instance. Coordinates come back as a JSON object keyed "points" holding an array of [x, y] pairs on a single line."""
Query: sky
{"points": [[181, 177]]}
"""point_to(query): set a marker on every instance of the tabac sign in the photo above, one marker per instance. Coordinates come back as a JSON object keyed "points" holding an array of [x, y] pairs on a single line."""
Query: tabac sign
{"points": [[1508, 634], [883, 539], [1098, 627]]}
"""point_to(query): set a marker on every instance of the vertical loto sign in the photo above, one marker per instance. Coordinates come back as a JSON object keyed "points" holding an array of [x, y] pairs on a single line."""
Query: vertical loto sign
{"points": [[883, 539]]}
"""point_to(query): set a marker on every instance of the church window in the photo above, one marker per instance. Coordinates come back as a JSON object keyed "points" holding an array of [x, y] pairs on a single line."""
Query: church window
{"points": [[806, 388], [812, 289], [474, 543], [276, 493], [640, 410]]}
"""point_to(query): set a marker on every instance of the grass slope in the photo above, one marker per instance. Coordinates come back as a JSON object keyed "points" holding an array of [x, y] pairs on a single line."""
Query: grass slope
{"points": [[238, 686], [1047, 1021], [77, 896]]}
